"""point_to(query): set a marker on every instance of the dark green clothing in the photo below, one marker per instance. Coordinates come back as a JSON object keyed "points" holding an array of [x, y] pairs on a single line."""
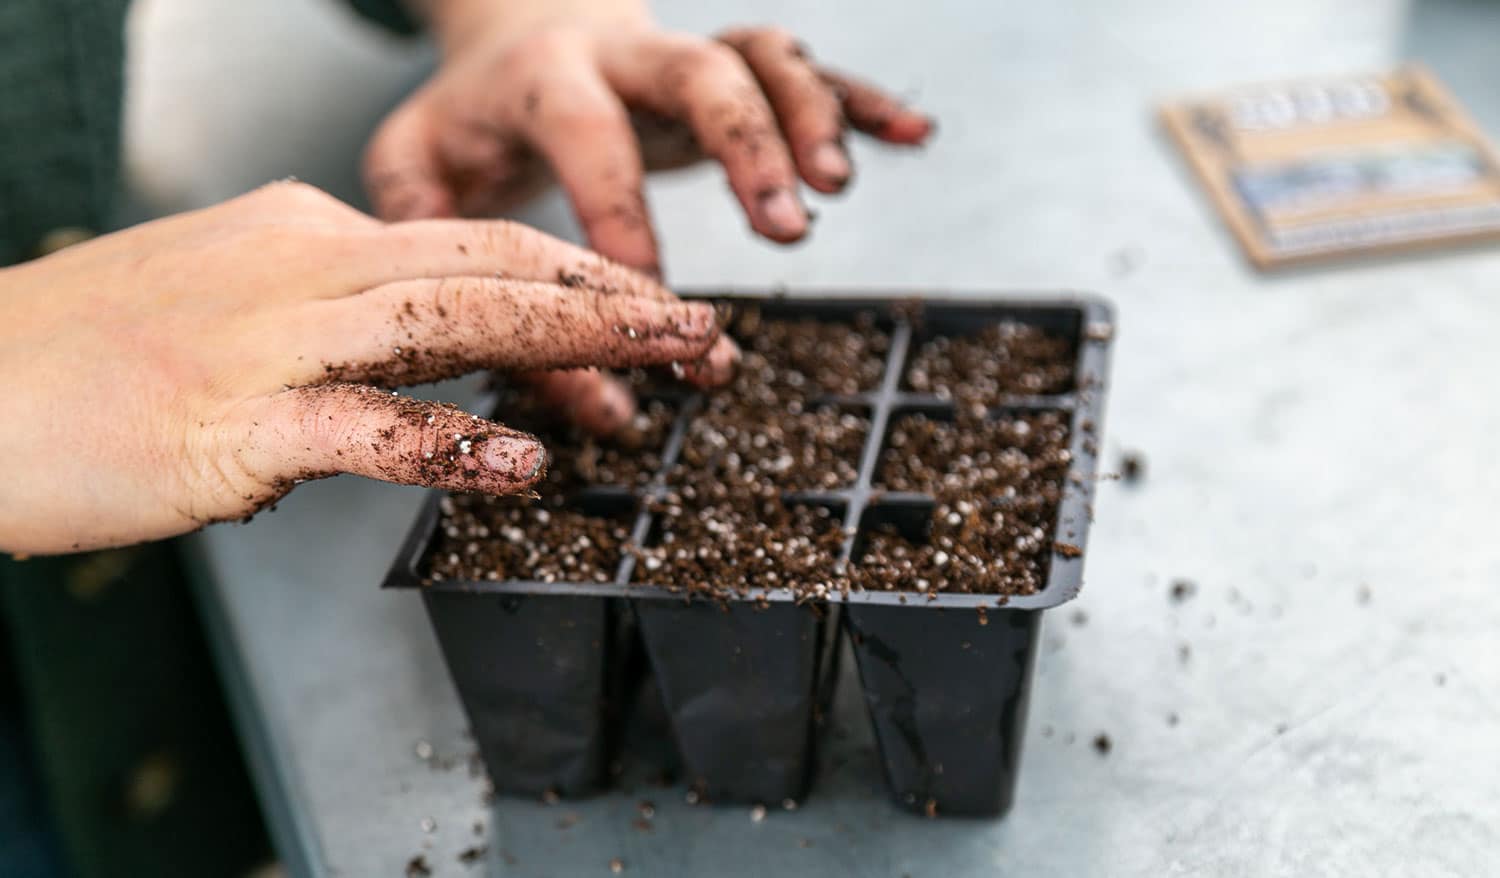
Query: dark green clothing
{"points": [[139, 761], [103, 656], [61, 72]]}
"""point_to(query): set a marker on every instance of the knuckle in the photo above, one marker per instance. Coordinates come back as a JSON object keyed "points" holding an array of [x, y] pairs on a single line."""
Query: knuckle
{"points": [[546, 48], [454, 299], [706, 57], [501, 239], [350, 428], [774, 37], [267, 238], [295, 192], [584, 115], [214, 472], [328, 421], [737, 37]]}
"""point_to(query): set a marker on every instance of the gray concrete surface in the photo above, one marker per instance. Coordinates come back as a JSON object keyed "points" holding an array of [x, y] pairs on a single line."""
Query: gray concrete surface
{"points": [[1312, 438]]}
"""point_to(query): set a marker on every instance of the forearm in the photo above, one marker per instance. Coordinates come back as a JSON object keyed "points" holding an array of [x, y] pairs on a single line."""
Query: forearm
{"points": [[454, 22]]}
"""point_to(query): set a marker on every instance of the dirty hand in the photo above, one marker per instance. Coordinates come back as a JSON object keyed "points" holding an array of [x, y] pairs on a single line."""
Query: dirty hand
{"points": [[593, 93], [194, 369]]}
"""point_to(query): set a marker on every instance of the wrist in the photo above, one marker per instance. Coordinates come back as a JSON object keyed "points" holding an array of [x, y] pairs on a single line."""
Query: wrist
{"points": [[457, 23]]}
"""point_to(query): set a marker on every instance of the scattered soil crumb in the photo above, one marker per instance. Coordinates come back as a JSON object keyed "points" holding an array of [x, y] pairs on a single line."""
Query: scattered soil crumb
{"points": [[471, 855], [1103, 744], [1132, 467], [1183, 589], [417, 867]]}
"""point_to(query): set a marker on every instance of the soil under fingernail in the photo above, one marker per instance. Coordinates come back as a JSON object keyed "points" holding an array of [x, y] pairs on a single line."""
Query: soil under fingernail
{"points": [[695, 321], [512, 458]]}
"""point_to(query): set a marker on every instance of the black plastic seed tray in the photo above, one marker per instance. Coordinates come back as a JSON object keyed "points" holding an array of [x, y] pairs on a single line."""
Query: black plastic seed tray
{"points": [[746, 680]]}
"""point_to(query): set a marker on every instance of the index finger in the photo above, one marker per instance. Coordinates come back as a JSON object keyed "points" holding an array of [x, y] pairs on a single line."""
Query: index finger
{"points": [[583, 131], [708, 85]]}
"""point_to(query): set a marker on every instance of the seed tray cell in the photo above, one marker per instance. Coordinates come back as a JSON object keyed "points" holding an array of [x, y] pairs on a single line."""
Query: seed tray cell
{"points": [[745, 662]]}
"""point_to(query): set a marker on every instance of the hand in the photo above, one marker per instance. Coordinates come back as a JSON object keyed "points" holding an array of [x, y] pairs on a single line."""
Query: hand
{"points": [[516, 90], [593, 91], [194, 369]]}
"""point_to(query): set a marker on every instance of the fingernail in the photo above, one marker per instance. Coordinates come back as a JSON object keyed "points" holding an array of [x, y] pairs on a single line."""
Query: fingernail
{"points": [[780, 210], [830, 163], [717, 367], [516, 458], [694, 320], [608, 411]]}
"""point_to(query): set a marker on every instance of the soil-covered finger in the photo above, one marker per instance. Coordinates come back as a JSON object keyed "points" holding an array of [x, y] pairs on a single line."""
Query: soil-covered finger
{"points": [[872, 111], [628, 457], [401, 171], [416, 332], [810, 113], [581, 128], [312, 432], [596, 402], [448, 248], [707, 85]]}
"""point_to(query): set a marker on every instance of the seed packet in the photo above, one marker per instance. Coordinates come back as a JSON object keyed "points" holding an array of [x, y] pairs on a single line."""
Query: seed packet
{"points": [[1325, 168]]}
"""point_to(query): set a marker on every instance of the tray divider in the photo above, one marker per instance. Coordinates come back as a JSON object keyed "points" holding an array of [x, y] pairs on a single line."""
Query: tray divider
{"points": [[657, 486], [882, 403]]}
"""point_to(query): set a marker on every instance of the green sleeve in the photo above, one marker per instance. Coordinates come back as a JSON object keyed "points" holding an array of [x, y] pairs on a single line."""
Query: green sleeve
{"points": [[392, 14]]}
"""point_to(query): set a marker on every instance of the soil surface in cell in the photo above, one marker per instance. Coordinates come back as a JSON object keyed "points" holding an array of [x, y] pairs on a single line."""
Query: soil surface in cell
{"points": [[797, 359], [793, 449], [730, 519], [483, 538], [1004, 359], [741, 546]]}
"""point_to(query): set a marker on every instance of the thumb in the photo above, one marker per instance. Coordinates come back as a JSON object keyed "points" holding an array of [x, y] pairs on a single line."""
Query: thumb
{"points": [[401, 170]]}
